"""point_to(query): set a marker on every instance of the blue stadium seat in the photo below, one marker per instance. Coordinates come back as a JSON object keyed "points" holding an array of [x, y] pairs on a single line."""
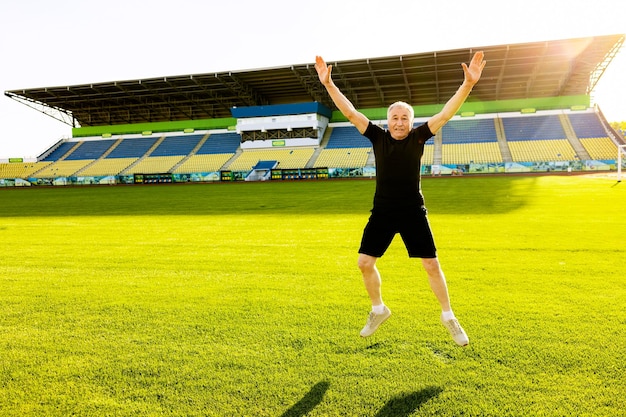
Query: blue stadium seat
{"points": [[347, 137], [469, 131], [177, 145], [544, 127], [219, 143], [92, 149], [59, 152], [587, 125], [132, 148]]}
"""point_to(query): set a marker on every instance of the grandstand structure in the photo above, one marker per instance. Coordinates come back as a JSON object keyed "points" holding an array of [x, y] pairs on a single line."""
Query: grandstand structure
{"points": [[530, 112]]}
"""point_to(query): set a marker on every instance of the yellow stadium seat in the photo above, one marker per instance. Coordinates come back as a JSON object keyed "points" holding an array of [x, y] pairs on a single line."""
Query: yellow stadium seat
{"points": [[287, 158], [343, 158], [466, 153], [154, 165], [62, 168], [542, 150], [600, 148], [21, 170], [203, 163], [104, 167]]}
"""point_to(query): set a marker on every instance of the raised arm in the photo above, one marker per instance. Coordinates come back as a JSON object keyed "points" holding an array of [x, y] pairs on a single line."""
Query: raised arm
{"points": [[344, 105], [472, 75]]}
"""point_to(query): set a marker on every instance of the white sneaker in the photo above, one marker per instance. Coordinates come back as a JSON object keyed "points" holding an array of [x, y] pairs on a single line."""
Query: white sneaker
{"points": [[373, 321], [456, 331]]}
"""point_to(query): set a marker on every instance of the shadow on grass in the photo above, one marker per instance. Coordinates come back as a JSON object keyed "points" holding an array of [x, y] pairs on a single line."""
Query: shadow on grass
{"points": [[309, 401], [469, 195], [476, 195], [367, 348], [405, 405], [402, 405]]}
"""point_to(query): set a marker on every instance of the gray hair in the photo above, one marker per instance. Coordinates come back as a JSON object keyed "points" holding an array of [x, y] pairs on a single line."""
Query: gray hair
{"points": [[402, 104]]}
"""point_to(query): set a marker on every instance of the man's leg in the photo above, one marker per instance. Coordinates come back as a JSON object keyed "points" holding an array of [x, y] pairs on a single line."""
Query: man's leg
{"points": [[371, 278], [372, 281], [438, 284]]}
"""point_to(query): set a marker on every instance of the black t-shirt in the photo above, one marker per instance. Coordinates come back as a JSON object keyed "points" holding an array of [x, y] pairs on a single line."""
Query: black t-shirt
{"points": [[398, 165]]}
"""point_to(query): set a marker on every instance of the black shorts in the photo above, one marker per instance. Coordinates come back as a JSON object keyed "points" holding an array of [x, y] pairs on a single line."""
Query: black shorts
{"points": [[412, 225]]}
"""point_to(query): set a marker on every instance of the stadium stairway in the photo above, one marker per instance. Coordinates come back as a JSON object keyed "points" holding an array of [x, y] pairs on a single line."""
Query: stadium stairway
{"points": [[104, 155], [232, 159], [61, 158], [59, 151], [502, 143], [320, 148], [371, 160], [192, 153], [437, 150], [572, 138], [146, 155], [68, 153]]}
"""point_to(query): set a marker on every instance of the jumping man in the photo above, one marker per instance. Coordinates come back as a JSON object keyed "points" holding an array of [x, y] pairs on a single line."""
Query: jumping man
{"points": [[398, 201]]}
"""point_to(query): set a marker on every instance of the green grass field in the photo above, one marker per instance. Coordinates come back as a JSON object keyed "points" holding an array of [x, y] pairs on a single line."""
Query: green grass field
{"points": [[245, 300]]}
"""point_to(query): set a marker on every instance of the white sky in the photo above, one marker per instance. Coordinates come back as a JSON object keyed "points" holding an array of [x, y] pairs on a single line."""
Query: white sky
{"points": [[55, 43]]}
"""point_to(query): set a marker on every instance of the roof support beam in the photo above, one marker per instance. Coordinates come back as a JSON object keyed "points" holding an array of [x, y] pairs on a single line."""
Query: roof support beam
{"points": [[242, 90], [536, 70], [602, 65], [379, 90], [501, 74], [406, 81], [62, 115], [437, 89], [313, 86], [99, 114], [213, 97], [345, 86]]}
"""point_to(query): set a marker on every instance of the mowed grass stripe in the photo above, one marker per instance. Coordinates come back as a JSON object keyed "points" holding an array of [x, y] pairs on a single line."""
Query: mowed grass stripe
{"points": [[245, 299]]}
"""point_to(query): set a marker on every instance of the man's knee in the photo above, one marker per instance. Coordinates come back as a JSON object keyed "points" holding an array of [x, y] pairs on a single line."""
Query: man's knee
{"points": [[366, 262], [431, 265]]}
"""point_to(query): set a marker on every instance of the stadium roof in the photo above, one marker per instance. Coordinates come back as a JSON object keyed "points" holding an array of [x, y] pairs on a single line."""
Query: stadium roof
{"points": [[515, 71]]}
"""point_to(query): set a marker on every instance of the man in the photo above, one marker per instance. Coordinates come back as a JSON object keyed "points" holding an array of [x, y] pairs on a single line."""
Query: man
{"points": [[398, 201]]}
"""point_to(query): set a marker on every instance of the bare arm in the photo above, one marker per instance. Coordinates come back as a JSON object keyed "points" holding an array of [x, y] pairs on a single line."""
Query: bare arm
{"points": [[344, 105], [472, 75]]}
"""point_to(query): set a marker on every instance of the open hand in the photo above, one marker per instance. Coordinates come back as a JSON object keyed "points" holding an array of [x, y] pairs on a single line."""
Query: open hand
{"points": [[475, 69], [323, 70]]}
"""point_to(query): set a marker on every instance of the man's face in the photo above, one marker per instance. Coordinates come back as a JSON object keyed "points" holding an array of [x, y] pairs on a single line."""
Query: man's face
{"points": [[399, 122]]}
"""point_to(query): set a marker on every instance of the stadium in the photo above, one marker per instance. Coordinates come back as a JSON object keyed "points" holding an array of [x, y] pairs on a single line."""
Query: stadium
{"points": [[531, 112], [238, 294]]}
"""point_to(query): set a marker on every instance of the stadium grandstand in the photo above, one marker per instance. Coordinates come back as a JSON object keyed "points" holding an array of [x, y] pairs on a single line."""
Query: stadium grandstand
{"points": [[532, 111]]}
